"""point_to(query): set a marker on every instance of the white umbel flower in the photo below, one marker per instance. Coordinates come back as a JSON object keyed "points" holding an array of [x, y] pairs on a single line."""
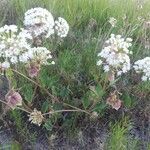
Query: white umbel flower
{"points": [[39, 55], [39, 21], [61, 27], [115, 56], [143, 66], [12, 44]]}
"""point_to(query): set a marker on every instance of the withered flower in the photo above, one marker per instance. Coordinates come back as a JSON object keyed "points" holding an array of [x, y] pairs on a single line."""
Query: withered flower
{"points": [[36, 117], [114, 101], [94, 115], [111, 76], [33, 70], [13, 99], [146, 25]]}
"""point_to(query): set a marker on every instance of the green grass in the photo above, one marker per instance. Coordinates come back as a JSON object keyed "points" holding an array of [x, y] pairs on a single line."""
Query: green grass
{"points": [[78, 12], [119, 139], [22, 128]]}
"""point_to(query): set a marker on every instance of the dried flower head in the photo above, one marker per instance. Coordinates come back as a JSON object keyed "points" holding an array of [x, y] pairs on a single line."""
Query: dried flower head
{"points": [[61, 27], [36, 117], [146, 25], [111, 76], [114, 101], [13, 99], [94, 115], [112, 21], [92, 25], [33, 70], [39, 22], [140, 4]]}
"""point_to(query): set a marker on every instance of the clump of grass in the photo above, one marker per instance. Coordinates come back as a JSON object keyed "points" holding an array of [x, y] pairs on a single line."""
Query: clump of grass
{"points": [[22, 129], [119, 138]]}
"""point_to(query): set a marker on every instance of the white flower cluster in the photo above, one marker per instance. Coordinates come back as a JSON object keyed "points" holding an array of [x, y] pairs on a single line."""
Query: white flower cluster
{"points": [[61, 27], [143, 66], [40, 21], [12, 44], [115, 56], [38, 55], [15, 48]]}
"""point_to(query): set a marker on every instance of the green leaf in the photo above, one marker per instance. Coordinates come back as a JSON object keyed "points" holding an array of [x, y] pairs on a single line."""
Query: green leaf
{"points": [[100, 108], [128, 100], [67, 62], [64, 92], [27, 92], [45, 106], [48, 125], [100, 91], [15, 146], [86, 101]]}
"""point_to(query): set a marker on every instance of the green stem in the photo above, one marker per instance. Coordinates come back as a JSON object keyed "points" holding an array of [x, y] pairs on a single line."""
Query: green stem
{"points": [[77, 108], [53, 97], [19, 108], [69, 110], [16, 107]]}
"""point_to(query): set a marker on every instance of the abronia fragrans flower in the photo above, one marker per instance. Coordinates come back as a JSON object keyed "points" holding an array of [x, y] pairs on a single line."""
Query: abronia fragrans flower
{"points": [[39, 22], [115, 56], [143, 66], [13, 99], [61, 27], [39, 55], [12, 43]]}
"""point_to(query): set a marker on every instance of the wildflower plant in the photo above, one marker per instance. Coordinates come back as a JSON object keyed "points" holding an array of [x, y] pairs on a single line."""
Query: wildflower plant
{"points": [[115, 61], [51, 90], [17, 48]]}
